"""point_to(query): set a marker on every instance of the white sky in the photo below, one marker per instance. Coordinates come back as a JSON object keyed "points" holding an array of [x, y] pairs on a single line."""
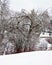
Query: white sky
{"points": [[30, 4]]}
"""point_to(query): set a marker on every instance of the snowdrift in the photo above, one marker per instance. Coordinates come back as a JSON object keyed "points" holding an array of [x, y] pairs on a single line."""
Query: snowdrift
{"points": [[27, 58]]}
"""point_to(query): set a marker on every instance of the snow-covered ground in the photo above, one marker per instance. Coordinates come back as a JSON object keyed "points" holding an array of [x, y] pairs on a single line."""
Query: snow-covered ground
{"points": [[28, 58]]}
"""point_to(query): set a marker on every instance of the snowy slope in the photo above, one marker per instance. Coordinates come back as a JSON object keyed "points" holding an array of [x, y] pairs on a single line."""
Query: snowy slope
{"points": [[28, 58]]}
